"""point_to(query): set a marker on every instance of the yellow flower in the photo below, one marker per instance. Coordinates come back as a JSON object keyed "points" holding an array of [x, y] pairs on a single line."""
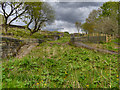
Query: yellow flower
{"points": [[65, 77], [41, 81], [45, 84], [37, 83], [87, 85], [117, 79], [65, 72], [117, 76]]}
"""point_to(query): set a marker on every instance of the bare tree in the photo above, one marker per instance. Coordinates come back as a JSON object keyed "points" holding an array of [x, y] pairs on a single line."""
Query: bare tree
{"points": [[78, 26], [11, 11], [107, 25]]}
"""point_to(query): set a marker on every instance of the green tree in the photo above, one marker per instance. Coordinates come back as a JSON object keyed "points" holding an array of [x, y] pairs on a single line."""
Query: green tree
{"points": [[110, 9], [108, 18], [89, 25], [38, 15], [103, 20], [107, 25]]}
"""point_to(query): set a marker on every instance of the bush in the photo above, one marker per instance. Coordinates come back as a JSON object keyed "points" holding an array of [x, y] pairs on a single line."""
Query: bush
{"points": [[66, 32], [101, 42]]}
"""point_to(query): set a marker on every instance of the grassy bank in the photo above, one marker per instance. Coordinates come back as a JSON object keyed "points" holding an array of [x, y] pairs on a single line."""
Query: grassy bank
{"points": [[112, 46], [56, 64]]}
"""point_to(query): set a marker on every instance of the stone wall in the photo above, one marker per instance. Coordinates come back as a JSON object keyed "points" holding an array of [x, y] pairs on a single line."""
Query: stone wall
{"points": [[10, 46], [52, 37], [93, 39]]}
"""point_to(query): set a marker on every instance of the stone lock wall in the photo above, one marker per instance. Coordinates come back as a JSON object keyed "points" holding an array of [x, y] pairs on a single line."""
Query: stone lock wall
{"points": [[10, 46]]}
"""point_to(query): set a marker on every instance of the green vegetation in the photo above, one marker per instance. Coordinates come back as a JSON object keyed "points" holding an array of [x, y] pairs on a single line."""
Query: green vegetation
{"points": [[39, 14], [112, 46], [0, 75], [103, 20], [24, 34], [36, 13], [56, 64]]}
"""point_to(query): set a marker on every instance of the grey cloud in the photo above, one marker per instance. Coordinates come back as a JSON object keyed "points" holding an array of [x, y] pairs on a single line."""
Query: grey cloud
{"points": [[67, 13], [78, 4], [78, 0], [71, 15], [73, 11]]}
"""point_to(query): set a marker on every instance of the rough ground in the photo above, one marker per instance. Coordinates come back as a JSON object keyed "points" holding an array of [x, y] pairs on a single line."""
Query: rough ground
{"points": [[25, 49], [93, 48], [28, 47]]}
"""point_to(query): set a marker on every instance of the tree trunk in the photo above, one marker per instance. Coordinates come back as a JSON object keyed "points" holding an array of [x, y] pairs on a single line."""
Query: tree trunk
{"points": [[6, 26], [6, 29], [31, 33]]}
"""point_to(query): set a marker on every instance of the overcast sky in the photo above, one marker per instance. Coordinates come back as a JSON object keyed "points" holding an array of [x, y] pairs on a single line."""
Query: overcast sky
{"points": [[69, 11]]}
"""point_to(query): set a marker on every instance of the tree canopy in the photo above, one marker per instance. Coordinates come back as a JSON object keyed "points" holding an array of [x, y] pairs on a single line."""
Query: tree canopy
{"points": [[39, 14], [11, 11], [104, 19], [34, 14]]}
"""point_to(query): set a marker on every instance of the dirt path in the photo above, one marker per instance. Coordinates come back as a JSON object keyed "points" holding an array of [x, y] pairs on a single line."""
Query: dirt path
{"points": [[93, 48], [25, 50]]}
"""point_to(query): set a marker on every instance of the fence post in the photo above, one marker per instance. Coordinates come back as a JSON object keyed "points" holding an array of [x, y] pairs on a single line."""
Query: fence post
{"points": [[88, 37], [113, 37], [106, 37], [72, 38], [109, 38]]}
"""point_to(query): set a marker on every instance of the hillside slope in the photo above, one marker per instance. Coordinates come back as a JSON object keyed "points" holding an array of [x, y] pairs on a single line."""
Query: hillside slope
{"points": [[56, 64]]}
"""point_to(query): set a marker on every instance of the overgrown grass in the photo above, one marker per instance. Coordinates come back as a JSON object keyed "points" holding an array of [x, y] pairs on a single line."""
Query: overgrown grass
{"points": [[56, 64], [25, 33], [112, 46]]}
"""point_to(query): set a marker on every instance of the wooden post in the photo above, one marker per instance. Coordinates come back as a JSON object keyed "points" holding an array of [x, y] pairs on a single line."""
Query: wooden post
{"points": [[106, 37], [113, 36], [109, 38], [72, 38]]}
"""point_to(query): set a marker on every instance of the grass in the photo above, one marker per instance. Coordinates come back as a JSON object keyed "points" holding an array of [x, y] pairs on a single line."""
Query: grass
{"points": [[25, 34], [56, 64], [0, 75], [112, 46]]}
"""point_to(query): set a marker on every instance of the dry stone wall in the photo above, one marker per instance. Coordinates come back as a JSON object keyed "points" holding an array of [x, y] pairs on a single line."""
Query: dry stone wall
{"points": [[93, 39], [10, 46]]}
